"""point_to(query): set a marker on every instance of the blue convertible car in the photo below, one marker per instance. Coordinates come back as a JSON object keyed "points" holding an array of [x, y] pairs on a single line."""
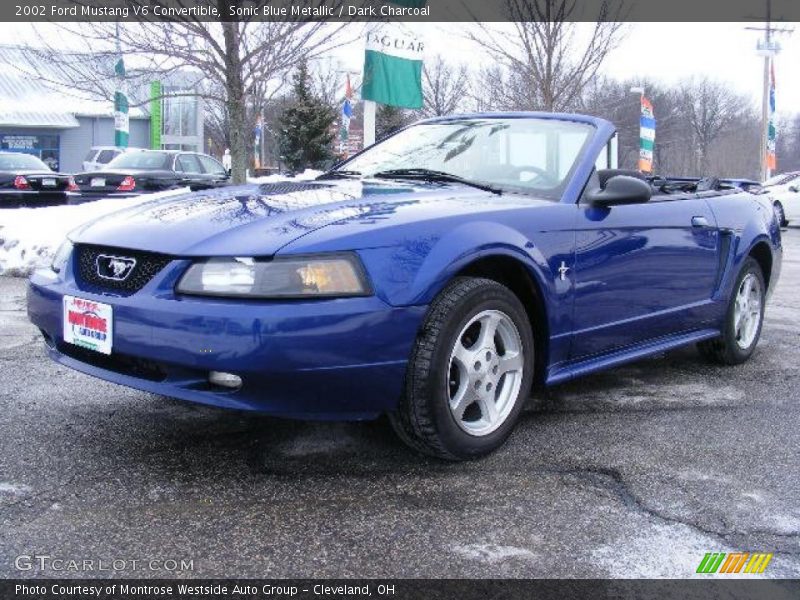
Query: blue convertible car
{"points": [[435, 278]]}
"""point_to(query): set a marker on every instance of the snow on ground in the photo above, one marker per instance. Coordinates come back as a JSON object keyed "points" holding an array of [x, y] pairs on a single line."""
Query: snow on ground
{"points": [[493, 553], [13, 489], [29, 237]]}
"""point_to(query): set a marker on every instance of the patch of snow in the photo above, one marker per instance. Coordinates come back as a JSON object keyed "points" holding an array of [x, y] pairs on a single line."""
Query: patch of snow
{"points": [[662, 551], [784, 524], [14, 489], [29, 237], [754, 496], [492, 553]]}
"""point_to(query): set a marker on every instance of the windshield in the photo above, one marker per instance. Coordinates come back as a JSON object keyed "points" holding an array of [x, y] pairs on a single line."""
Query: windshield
{"points": [[148, 161], [527, 154], [15, 162]]}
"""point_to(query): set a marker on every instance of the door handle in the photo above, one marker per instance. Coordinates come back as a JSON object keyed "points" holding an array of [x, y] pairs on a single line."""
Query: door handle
{"points": [[699, 222]]}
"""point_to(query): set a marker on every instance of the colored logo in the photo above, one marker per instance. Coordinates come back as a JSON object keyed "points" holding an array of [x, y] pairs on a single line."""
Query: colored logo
{"points": [[736, 562]]}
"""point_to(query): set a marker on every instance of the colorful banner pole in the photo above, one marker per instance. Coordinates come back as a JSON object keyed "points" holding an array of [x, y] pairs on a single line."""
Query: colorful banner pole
{"points": [[257, 133], [647, 136], [121, 123], [772, 132]]}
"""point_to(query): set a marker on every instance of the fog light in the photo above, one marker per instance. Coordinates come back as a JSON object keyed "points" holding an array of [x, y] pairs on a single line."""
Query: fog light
{"points": [[227, 380]]}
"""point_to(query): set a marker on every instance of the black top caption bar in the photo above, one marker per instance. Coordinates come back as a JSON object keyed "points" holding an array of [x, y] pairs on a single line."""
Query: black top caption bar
{"points": [[398, 10]]}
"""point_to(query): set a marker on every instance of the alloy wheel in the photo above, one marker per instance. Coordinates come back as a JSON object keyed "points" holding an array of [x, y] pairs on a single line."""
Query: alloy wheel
{"points": [[747, 311], [485, 372]]}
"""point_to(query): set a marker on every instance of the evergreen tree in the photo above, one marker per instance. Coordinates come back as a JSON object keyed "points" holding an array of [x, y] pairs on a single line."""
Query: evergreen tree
{"points": [[306, 127], [389, 119]]}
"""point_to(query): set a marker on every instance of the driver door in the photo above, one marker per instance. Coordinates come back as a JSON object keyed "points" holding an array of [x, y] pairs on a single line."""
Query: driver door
{"points": [[642, 271]]}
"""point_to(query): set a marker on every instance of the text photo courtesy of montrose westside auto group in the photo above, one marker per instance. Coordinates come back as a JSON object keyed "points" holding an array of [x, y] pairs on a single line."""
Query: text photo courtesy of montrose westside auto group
{"points": [[403, 299]]}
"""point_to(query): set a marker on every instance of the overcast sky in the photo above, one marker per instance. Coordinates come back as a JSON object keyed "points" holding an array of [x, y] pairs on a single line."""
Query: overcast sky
{"points": [[661, 51]]}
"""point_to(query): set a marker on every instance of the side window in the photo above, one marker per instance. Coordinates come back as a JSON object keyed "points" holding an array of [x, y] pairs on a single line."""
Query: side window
{"points": [[105, 156], [90, 155], [211, 166], [188, 163]]}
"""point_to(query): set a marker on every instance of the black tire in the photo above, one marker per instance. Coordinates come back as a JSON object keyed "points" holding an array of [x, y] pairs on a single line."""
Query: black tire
{"points": [[726, 350], [780, 214], [424, 419]]}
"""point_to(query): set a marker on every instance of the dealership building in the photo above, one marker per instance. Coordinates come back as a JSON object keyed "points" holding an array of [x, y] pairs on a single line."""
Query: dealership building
{"points": [[60, 124]]}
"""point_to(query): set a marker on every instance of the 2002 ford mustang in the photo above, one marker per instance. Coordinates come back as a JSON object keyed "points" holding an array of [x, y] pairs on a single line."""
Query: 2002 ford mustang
{"points": [[434, 277]]}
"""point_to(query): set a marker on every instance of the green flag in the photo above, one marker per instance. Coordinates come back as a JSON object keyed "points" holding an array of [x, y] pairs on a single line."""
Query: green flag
{"points": [[393, 67], [120, 107]]}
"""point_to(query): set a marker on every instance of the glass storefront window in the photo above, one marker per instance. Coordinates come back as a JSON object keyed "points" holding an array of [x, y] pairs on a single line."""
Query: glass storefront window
{"points": [[45, 147], [179, 110]]}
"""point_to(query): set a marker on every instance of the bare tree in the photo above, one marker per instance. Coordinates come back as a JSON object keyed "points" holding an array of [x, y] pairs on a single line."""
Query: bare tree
{"points": [[710, 109], [547, 61], [444, 87], [242, 62]]}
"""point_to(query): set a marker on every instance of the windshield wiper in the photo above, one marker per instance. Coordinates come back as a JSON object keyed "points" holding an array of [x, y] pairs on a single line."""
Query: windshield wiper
{"points": [[431, 175], [339, 175]]}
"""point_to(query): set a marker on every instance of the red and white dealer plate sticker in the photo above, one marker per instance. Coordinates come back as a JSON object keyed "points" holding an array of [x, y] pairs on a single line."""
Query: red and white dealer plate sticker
{"points": [[88, 324]]}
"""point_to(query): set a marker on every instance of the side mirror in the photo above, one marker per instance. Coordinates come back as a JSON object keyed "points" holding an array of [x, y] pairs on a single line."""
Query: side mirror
{"points": [[620, 189], [794, 188]]}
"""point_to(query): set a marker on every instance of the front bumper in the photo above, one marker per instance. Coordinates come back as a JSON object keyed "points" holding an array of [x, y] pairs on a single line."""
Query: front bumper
{"points": [[320, 359]]}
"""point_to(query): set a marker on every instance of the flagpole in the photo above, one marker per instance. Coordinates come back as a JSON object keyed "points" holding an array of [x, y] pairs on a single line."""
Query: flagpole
{"points": [[369, 123]]}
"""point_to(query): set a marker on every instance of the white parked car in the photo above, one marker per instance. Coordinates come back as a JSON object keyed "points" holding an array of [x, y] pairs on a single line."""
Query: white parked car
{"points": [[784, 189], [99, 156]]}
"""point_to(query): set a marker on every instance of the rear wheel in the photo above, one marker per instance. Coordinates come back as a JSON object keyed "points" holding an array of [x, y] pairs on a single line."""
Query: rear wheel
{"points": [[469, 374], [743, 321]]}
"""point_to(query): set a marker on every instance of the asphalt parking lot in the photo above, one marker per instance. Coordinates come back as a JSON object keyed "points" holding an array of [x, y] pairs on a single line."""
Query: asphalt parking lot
{"points": [[636, 472]]}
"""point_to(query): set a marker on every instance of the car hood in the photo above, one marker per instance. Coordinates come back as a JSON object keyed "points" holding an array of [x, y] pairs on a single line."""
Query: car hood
{"points": [[261, 219]]}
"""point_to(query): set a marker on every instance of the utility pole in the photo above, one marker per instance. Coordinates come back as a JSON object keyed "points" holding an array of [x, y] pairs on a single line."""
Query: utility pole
{"points": [[768, 48]]}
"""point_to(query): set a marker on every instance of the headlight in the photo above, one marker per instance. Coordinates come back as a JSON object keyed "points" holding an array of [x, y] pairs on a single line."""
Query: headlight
{"points": [[293, 277], [61, 256]]}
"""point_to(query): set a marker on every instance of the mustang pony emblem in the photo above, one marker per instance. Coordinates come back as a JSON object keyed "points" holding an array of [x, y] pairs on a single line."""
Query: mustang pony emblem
{"points": [[117, 268]]}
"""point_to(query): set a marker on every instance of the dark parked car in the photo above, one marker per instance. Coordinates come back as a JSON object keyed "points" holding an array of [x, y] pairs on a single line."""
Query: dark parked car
{"points": [[26, 181], [147, 171]]}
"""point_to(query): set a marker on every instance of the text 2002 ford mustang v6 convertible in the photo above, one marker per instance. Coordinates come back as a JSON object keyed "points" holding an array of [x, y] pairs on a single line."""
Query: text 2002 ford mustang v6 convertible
{"points": [[434, 277]]}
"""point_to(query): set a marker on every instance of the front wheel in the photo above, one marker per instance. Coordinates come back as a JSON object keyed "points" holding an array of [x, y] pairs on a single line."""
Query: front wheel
{"points": [[743, 320], [780, 214], [470, 372]]}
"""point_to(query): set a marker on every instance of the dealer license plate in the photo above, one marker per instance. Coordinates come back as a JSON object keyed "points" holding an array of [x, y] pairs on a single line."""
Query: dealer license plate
{"points": [[88, 324], [98, 182]]}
